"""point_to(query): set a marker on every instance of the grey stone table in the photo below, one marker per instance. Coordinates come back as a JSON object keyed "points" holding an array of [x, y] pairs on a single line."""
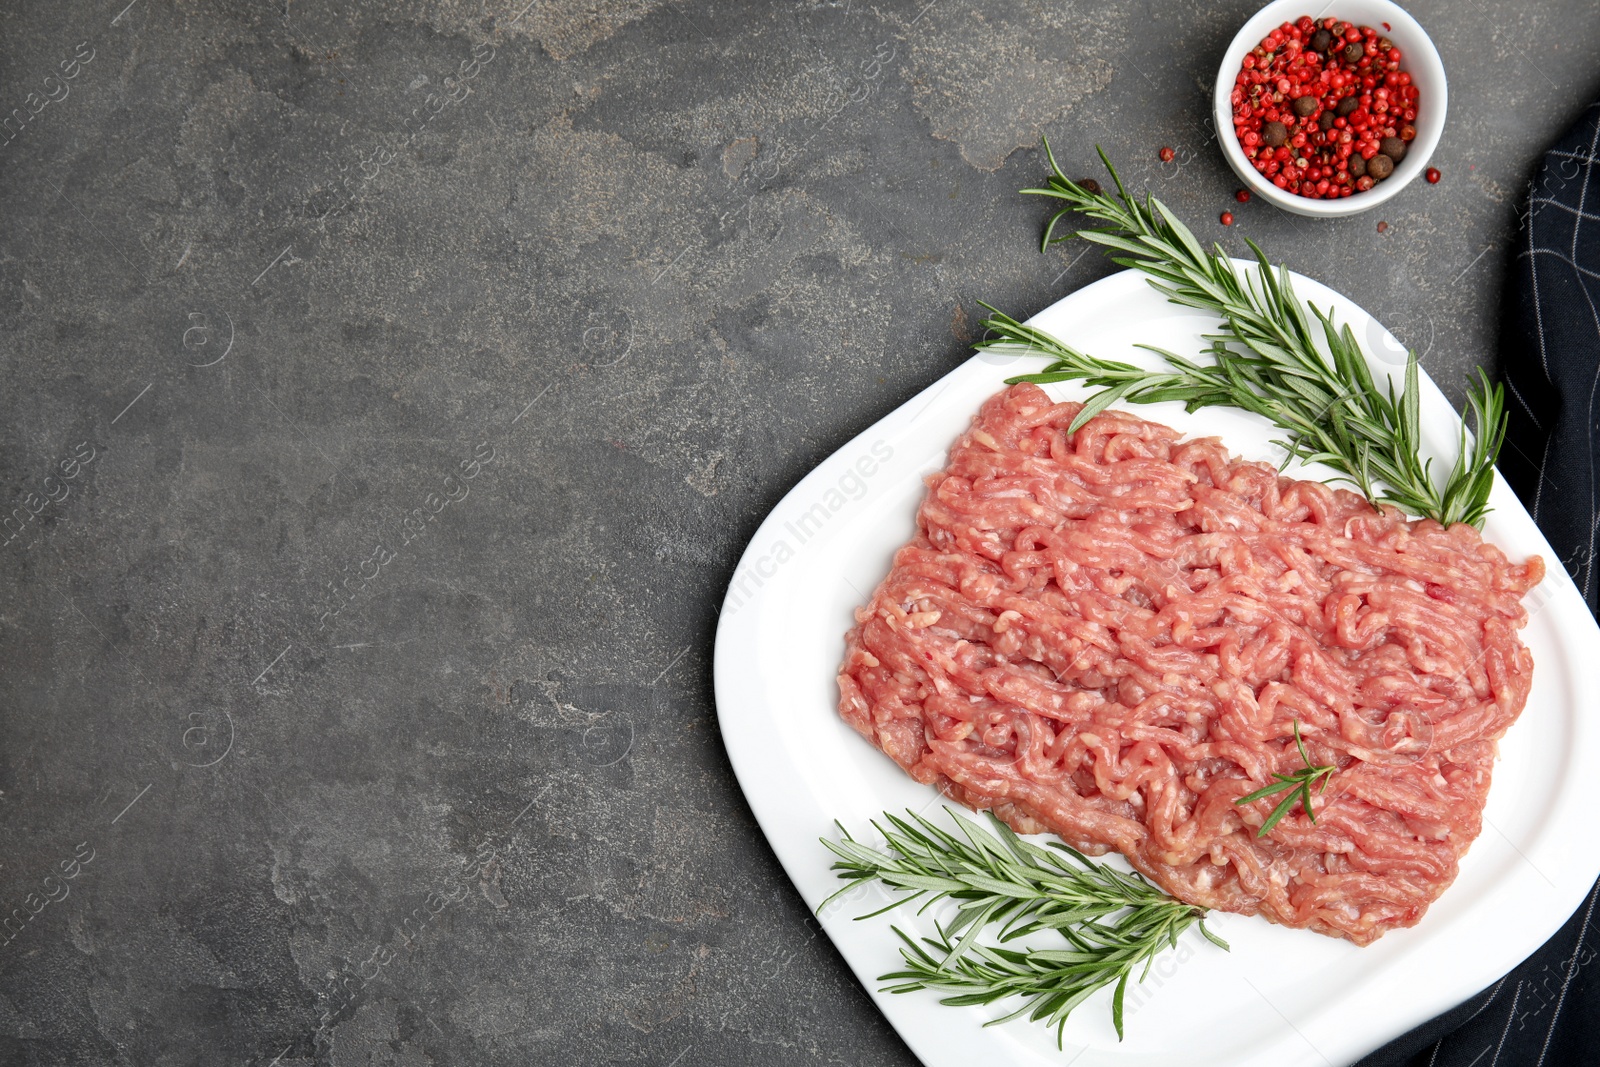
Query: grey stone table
{"points": [[389, 389]]}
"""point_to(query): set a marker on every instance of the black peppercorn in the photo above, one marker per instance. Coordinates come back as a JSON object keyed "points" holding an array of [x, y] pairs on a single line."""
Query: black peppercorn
{"points": [[1275, 135], [1353, 52], [1325, 121], [1380, 167], [1357, 165], [1321, 41], [1305, 106], [1089, 185], [1393, 147], [1347, 105]]}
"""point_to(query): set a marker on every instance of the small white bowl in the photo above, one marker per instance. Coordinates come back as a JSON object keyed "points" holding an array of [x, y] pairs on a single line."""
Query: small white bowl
{"points": [[1419, 58]]}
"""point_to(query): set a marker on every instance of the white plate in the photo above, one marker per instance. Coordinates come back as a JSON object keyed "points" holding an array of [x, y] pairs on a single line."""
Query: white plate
{"points": [[1281, 996]]}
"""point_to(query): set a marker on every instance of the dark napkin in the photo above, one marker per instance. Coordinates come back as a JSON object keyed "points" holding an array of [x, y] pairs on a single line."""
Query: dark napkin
{"points": [[1547, 1011]]}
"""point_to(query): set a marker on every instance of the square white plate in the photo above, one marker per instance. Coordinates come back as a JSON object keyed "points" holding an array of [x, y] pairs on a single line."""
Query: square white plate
{"points": [[1281, 996]]}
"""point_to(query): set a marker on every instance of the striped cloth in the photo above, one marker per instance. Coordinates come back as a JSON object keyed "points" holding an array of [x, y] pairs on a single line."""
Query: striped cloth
{"points": [[1546, 1013]]}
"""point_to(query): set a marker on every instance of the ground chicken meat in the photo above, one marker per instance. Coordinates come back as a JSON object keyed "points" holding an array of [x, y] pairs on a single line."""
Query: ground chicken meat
{"points": [[1111, 634]]}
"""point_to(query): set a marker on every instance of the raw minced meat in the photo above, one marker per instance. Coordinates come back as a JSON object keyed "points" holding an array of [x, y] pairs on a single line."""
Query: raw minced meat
{"points": [[1111, 635]]}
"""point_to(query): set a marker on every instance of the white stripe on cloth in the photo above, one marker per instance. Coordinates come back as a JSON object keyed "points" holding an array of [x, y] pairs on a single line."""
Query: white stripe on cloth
{"points": [[1572, 969]]}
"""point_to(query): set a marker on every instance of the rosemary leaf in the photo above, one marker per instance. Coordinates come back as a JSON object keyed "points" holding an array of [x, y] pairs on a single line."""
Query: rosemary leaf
{"points": [[1111, 922], [1299, 784], [1267, 360]]}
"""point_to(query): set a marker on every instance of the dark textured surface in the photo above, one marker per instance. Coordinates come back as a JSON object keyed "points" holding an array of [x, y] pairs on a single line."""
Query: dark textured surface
{"points": [[653, 260]]}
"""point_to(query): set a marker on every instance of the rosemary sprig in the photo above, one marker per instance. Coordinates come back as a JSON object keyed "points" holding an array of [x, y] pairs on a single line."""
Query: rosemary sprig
{"points": [[1268, 359], [1111, 921], [1299, 783]]}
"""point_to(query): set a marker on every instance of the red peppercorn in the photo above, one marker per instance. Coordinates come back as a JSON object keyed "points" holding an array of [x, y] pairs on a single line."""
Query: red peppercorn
{"points": [[1432, 175], [1313, 100], [1243, 196], [1167, 155], [1227, 218]]}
